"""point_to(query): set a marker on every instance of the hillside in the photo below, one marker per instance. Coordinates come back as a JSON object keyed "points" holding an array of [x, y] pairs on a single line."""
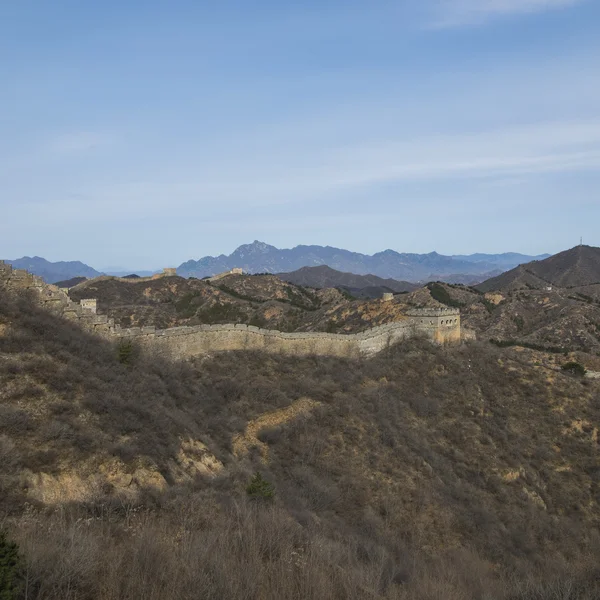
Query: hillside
{"points": [[577, 267], [259, 257], [557, 319], [360, 286], [426, 472], [261, 300]]}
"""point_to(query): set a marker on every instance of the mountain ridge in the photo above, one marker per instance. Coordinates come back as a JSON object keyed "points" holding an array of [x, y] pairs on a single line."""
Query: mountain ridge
{"points": [[576, 267], [388, 264], [259, 257], [52, 272]]}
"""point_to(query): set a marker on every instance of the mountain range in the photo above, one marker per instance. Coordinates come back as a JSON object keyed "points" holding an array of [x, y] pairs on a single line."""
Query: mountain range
{"points": [[259, 257], [52, 272]]}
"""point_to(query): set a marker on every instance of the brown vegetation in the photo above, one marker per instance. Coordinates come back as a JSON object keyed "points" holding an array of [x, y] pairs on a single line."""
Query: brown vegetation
{"points": [[422, 473], [556, 319]]}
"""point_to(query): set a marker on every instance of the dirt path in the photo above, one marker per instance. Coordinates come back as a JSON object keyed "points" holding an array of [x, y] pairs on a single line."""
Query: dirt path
{"points": [[244, 441]]}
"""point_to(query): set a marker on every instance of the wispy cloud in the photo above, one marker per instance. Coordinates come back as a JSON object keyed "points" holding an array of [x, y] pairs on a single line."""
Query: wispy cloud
{"points": [[231, 182], [458, 13]]}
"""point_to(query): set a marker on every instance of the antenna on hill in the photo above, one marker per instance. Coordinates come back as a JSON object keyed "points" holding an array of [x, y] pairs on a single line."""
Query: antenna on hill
{"points": [[581, 241]]}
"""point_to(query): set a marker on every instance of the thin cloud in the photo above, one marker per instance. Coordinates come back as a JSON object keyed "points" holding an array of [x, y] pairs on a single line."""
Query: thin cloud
{"points": [[526, 152], [459, 13]]}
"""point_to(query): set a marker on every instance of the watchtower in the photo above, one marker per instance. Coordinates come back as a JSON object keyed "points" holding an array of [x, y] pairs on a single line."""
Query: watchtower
{"points": [[170, 272], [441, 324]]}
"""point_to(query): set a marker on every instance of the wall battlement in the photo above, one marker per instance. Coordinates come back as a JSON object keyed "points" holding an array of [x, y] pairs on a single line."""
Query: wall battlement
{"points": [[432, 312], [439, 325], [234, 271]]}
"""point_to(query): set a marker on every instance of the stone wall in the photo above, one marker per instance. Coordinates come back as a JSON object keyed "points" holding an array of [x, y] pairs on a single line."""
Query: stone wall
{"points": [[438, 325], [182, 342], [55, 299], [234, 271]]}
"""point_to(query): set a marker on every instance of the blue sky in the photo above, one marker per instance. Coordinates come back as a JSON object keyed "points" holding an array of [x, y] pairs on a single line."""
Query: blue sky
{"points": [[144, 133]]}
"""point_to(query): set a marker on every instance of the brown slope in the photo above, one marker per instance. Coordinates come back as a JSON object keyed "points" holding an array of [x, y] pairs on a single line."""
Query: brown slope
{"points": [[262, 300], [579, 266], [556, 318], [471, 451], [326, 277]]}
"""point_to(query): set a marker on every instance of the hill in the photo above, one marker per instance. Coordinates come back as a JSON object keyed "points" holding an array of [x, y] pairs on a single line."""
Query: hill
{"points": [[557, 319], [425, 472], [261, 300], [369, 286], [259, 257], [577, 267], [52, 272], [69, 283]]}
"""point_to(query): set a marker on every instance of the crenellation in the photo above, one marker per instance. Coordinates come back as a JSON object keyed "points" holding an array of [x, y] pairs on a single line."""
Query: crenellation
{"points": [[234, 271]]}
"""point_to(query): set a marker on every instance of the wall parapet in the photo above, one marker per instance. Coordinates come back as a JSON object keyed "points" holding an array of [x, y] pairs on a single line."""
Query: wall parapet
{"points": [[432, 312]]}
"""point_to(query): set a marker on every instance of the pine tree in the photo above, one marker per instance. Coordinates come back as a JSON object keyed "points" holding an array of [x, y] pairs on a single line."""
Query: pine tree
{"points": [[260, 488], [125, 352], [10, 569]]}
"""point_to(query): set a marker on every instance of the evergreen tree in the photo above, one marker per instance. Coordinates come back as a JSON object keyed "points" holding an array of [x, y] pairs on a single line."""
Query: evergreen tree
{"points": [[10, 569], [125, 352], [260, 488]]}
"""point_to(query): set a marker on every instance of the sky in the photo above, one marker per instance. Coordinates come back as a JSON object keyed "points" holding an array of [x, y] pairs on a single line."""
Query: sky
{"points": [[141, 134]]}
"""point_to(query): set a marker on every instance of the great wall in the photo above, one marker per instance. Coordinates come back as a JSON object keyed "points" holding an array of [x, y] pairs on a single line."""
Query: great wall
{"points": [[441, 325]]}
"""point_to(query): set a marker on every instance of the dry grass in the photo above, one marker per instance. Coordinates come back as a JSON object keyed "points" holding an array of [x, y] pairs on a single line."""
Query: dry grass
{"points": [[393, 486]]}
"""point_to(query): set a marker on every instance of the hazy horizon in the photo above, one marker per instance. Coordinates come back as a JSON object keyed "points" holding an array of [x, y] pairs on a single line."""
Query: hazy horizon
{"points": [[149, 134], [156, 268]]}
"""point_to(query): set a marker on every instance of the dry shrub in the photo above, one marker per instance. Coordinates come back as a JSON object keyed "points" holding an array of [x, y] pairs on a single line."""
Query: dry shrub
{"points": [[405, 458]]}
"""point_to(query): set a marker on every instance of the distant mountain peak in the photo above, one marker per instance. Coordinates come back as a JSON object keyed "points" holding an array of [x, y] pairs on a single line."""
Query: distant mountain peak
{"points": [[256, 247], [260, 257]]}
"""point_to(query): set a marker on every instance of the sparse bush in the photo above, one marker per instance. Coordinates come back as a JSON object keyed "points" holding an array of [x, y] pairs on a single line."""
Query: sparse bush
{"points": [[489, 306], [519, 322], [418, 447], [270, 435], [346, 294], [333, 326], [440, 293], [574, 368]]}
